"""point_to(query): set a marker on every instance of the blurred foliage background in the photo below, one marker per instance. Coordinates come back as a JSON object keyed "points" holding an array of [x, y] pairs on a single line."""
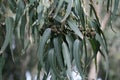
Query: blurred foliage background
{"points": [[113, 39]]}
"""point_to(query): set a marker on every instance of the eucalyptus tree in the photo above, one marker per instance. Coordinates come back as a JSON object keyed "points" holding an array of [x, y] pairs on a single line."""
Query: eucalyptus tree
{"points": [[61, 30]]}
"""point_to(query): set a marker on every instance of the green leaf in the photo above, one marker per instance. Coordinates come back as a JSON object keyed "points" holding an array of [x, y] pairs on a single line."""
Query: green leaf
{"points": [[58, 50], [25, 45], [3, 8], [104, 40], [43, 40], [96, 63], [38, 68], [41, 15], [22, 28], [70, 41], [107, 62], [35, 34], [66, 55], [116, 4], [9, 30], [52, 61], [75, 28], [40, 9], [12, 5], [95, 45], [96, 16], [68, 11], [103, 51], [19, 12], [79, 11], [53, 77], [77, 51], [11, 47], [85, 52], [77, 7], [112, 17], [46, 60], [100, 40], [2, 62], [58, 7], [108, 5]]}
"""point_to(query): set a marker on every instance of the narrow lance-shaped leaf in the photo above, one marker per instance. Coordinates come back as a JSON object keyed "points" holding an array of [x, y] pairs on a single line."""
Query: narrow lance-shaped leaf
{"points": [[9, 29], [58, 49], [108, 5], [38, 68], [58, 7], [95, 61], [85, 52], [75, 28], [90, 11], [66, 55], [22, 27], [79, 11], [107, 62], [12, 5], [19, 12], [95, 46], [52, 61], [26, 45], [46, 59], [116, 6], [100, 40], [68, 11], [40, 9], [96, 16], [77, 51], [53, 77], [105, 42], [77, 7], [43, 40], [112, 17], [12, 45], [104, 52], [70, 41]]}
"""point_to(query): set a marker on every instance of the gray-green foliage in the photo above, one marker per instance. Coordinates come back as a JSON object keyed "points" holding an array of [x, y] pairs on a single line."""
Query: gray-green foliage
{"points": [[60, 29]]}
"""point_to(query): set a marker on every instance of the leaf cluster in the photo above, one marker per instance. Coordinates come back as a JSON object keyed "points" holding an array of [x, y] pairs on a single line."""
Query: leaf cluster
{"points": [[61, 30]]}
